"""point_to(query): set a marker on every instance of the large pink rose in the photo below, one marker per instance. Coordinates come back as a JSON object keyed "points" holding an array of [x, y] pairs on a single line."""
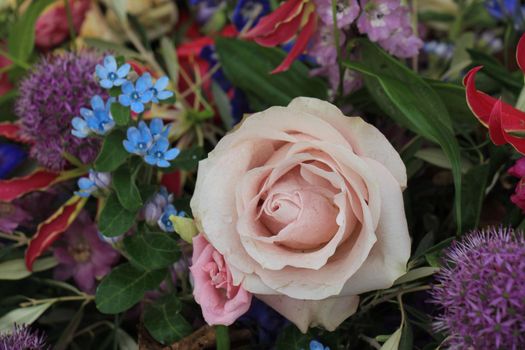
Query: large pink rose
{"points": [[305, 204], [221, 302]]}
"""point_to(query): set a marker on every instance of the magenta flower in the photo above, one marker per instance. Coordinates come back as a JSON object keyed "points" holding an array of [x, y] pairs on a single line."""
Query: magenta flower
{"points": [[481, 291], [83, 255], [50, 97], [518, 170]]}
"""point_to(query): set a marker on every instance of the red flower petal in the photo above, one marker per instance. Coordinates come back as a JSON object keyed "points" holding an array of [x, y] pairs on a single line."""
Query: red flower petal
{"points": [[11, 131], [479, 102], [517, 142], [51, 229], [495, 131], [520, 53], [38, 180], [172, 182], [300, 44], [285, 31], [268, 23]]}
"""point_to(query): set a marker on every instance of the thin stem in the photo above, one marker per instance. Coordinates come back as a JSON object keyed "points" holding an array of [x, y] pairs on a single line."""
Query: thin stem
{"points": [[17, 237], [415, 59], [204, 79], [338, 48], [70, 24], [32, 302], [389, 296]]}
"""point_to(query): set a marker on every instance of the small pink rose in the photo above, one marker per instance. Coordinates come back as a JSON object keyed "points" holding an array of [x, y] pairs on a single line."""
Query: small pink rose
{"points": [[221, 302]]}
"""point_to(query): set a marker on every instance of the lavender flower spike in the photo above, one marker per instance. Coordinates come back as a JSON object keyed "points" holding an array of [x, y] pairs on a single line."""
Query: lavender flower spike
{"points": [[481, 291], [22, 338]]}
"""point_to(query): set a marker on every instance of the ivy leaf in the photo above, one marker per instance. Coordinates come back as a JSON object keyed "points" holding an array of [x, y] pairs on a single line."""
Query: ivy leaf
{"points": [[124, 287], [126, 188], [120, 114], [152, 250], [164, 322], [114, 218], [113, 153]]}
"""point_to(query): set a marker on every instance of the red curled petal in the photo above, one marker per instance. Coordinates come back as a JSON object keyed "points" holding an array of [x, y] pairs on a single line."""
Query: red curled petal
{"points": [[300, 45], [479, 102], [495, 130], [284, 32], [51, 229], [520, 53], [268, 24], [12, 132], [38, 180]]}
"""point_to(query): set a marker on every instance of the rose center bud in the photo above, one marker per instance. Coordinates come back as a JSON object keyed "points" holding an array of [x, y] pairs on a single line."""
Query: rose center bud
{"points": [[218, 274], [299, 216]]}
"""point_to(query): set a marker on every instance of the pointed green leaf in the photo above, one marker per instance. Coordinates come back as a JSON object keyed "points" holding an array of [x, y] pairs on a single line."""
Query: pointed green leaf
{"points": [[24, 315], [113, 154], [120, 113], [164, 322], [126, 188], [152, 250], [114, 218], [124, 287]]}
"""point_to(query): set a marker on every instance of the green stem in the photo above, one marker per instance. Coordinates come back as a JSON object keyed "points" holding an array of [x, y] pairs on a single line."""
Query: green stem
{"points": [[15, 60], [521, 100], [223, 338], [70, 24], [338, 48], [32, 302]]}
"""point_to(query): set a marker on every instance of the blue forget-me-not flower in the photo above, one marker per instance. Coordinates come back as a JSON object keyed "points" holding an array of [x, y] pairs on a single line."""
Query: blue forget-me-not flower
{"points": [[110, 74], [159, 90], [94, 182], [164, 221], [138, 94], [139, 139], [97, 120]]}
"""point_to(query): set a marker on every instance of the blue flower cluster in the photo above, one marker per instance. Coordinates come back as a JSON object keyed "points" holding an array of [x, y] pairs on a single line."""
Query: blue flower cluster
{"points": [[94, 182], [96, 120], [134, 95], [315, 345], [151, 143]]}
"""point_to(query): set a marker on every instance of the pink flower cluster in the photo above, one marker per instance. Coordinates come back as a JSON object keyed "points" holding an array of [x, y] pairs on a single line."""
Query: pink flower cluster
{"points": [[518, 170]]}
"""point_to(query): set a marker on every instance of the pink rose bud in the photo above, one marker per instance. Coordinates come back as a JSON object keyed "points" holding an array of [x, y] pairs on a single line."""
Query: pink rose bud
{"points": [[221, 301]]}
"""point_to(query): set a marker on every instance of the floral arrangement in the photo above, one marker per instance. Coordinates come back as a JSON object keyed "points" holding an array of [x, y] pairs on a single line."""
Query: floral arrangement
{"points": [[256, 174]]}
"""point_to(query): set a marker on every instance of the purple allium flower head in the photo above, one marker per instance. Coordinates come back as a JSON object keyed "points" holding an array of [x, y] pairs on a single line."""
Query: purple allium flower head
{"points": [[50, 97], [347, 12], [83, 255], [481, 291], [22, 338]]}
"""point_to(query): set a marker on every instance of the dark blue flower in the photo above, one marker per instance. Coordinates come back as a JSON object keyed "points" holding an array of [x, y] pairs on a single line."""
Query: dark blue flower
{"points": [[136, 95], [209, 54], [159, 154], [159, 90], [139, 139], [11, 156], [510, 10], [248, 12], [110, 74], [164, 221], [97, 120], [268, 322]]}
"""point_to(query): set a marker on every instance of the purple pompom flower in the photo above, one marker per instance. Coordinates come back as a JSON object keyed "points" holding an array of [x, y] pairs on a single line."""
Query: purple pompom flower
{"points": [[50, 97], [481, 291], [22, 338]]}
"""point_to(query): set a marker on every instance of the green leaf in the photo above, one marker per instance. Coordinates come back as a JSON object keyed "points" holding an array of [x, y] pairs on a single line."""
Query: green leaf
{"points": [[113, 153], [292, 339], [16, 269], [152, 250], [164, 322], [124, 287], [125, 341], [114, 218], [437, 157], [407, 338], [185, 227], [188, 159], [393, 341], [125, 187], [222, 101], [170, 59], [475, 184], [494, 69], [416, 274], [248, 66], [24, 315], [410, 101], [68, 333], [21, 40], [120, 114]]}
